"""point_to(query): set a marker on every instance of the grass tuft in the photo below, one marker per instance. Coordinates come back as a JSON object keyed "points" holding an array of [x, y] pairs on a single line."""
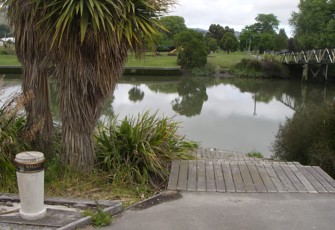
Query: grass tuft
{"points": [[140, 149]]}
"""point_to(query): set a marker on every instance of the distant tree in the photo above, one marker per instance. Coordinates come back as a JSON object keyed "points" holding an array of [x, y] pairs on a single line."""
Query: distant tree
{"points": [[192, 51], [211, 44], [266, 42], [266, 23], [217, 31], [281, 40], [247, 39], [229, 42], [314, 24], [291, 45], [260, 35], [173, 26], [4, 31]]}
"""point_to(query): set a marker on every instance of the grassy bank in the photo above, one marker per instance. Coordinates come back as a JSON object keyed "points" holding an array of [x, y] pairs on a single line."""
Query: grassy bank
{"points": [[227, 61], [222, 59]]}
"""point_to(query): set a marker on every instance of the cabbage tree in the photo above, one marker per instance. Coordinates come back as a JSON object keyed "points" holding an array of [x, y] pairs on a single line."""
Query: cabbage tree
{"points": [[88, 43]]}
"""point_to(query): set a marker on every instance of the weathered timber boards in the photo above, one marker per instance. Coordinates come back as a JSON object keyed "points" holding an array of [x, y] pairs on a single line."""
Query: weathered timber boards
{"points": [[221, 175]]}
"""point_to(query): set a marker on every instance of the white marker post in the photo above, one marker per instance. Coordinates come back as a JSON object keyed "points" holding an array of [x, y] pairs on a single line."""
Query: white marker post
{"points": [[30, 179]]}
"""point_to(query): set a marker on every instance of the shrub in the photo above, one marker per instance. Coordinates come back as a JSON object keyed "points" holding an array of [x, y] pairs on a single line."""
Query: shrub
{"points": [[140, 150], [308, 137], [255, 155], [192, 51], [267, 68]]}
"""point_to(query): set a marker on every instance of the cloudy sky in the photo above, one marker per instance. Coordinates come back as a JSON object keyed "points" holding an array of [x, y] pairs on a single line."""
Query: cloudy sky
{"points": [[233, 13]]}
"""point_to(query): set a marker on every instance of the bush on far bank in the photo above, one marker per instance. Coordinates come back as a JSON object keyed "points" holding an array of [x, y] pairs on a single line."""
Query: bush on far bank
{"points": [[264, 68]]}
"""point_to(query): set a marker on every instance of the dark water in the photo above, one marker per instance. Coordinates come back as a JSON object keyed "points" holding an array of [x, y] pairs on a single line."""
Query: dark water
{"points": [[237, 114]]}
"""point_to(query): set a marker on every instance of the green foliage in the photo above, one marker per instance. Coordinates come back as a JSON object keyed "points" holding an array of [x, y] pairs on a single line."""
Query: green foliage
{"points": [[255, 155], [140, 150], [229, 42], [266, 68], [192, 51], [99, 217], [262, 35], [173, 26], [266, 23], [212, 44], [308, 137], [314, 24], [281, 41], [216, 31]]}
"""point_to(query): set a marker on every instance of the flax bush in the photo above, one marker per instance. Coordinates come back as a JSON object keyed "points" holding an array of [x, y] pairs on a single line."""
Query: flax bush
{"points": [[139, 150], [11, 140]]}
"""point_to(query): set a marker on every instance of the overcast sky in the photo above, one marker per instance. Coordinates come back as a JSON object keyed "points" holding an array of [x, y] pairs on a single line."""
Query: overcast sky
{"points": [[233, 13]]}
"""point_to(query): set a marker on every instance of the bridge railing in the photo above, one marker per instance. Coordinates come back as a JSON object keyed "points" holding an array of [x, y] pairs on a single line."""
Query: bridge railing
{"points": [[315, 56]]}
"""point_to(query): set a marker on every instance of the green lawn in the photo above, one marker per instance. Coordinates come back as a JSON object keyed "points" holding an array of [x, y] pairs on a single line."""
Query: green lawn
{"points": [[226, 61], [221, 59], [150, 60], [9, 60]]}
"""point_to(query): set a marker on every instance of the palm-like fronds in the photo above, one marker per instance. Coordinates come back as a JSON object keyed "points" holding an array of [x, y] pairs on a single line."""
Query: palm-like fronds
{"points": [[93, 38], [87, 41]]}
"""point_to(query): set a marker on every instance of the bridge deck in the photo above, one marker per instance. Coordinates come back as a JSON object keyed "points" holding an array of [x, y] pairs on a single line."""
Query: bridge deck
{"points": [[222, 171]]}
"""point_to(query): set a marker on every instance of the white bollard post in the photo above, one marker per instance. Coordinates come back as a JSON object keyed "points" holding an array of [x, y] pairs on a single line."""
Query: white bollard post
{"points": [[30, 179]]}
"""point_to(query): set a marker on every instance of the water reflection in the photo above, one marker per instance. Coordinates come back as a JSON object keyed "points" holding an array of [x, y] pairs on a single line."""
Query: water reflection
{"points": [[136, 94], [192, 95], [236, 114]]}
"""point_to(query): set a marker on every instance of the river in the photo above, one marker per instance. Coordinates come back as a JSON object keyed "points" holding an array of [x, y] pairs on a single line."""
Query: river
{"points": [[231, 114]]}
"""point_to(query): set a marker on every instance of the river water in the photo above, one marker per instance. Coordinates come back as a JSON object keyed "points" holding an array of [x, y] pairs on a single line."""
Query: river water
{"points": [[232, 114]]}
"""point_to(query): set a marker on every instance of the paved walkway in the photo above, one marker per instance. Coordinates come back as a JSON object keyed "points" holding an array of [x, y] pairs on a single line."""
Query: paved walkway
{"points": [[235, 211], [223, 171]]}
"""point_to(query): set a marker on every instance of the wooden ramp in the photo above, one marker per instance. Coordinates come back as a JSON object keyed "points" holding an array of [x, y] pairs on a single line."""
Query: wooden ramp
{"points": [[222, 171]]}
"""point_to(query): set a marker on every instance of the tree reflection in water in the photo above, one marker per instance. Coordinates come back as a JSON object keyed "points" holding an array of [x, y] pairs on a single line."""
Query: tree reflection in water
{"points": [[192, 95], [135, 94]]}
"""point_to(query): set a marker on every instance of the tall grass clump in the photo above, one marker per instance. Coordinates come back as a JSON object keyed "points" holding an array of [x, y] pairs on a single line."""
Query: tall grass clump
{"points": [[11, 140], [308, 137], [139, 150]]}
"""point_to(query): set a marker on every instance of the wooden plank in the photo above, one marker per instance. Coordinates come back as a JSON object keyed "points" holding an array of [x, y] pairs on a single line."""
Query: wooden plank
{"points": [[238, 181], [284, 179], [174, 174], [321, 180], [316, 184], [274, 178], [325, 175], [294, 179], [228, 177], [219, 181], [210, 179], [266, 178], [260, 187], [201, 176], [309, 187], [182, 182], [192, 176], [248, 183]]}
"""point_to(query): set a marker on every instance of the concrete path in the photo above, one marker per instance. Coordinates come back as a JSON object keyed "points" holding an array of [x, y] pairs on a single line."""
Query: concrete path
{"points": [[235, 211]]}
